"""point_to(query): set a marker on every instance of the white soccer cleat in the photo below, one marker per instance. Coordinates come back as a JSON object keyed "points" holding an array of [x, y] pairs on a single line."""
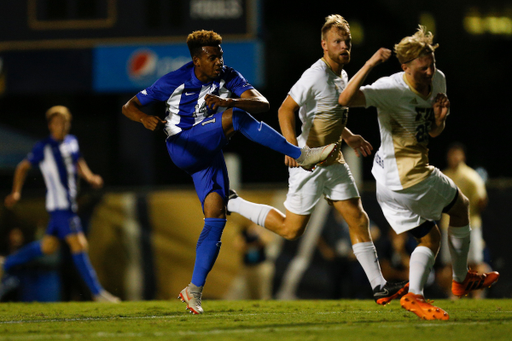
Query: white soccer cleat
{"points": [[311, 157], [192, 295], [105, 296]]}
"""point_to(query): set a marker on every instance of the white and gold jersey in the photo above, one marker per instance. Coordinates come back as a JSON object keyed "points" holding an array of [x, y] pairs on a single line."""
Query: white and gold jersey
{"points": [[405, 119], [472, 186], [323, 119]]}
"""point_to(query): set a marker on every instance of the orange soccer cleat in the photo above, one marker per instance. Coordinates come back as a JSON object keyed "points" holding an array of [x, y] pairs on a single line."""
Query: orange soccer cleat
{"points": [[474, 281], [422, 308]]}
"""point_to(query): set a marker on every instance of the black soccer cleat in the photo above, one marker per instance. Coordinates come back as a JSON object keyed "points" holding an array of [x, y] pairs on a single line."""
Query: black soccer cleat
{"points": [[390, 291]]}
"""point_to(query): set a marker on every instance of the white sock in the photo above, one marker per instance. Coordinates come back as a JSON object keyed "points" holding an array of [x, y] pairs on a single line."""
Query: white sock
{"points": [[458, 244], [257, 213], [366, 254], [421, 263]]}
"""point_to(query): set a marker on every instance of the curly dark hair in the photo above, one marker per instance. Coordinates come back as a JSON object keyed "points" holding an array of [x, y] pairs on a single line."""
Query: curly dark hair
{"points": [[197, 39]]}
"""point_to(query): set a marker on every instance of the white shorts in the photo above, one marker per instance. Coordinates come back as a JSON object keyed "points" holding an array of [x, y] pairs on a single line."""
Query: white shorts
{"points": [[334, 182], [409, 208], [476, 247]]}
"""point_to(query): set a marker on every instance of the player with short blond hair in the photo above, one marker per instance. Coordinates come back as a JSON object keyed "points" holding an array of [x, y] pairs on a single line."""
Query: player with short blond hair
{"points": [[419, 44], [314, 97], [337, 22], [412, 107]]}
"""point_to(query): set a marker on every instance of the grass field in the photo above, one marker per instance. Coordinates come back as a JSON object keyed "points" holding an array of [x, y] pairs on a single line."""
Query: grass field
{"points": [[253, 320]]}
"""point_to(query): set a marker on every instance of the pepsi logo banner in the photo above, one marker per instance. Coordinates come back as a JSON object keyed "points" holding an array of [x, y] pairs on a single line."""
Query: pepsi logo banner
{"points": [[135, 67]]}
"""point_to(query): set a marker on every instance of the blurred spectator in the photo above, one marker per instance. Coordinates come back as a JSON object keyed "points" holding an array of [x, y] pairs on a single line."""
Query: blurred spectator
{"points": [[16, 239], [255, 278], [472, 185]]}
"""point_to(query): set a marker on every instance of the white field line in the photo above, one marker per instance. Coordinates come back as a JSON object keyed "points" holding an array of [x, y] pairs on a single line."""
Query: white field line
{"points": [[163, 317], [272, 330]]}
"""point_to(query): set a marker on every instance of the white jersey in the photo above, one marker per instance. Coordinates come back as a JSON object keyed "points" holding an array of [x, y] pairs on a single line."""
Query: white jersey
{"points": [[323, 119], [405, 119]]}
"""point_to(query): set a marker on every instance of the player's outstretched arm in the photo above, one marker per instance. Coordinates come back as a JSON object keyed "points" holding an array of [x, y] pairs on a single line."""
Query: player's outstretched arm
{"points": [[95, 180], [132, 110], [357, 142], [441, 112], [351, 95], [251, 101], [19, 179]]}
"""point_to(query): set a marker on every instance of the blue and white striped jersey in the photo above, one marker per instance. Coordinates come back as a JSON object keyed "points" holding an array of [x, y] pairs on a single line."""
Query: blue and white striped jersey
{"points": [[184, 95], [57, 161]]}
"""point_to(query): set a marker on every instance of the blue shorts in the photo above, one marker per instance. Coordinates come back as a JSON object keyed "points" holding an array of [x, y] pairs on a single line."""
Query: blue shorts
{"points": [[198, 151], [63, 223]]}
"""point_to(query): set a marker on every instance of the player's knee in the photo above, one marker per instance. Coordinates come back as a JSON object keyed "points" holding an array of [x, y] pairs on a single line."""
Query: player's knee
{"points": [[459, 212], [227, 122], [291, 233], [459, 216], [77, 243], [428, 234], [49, 246]]}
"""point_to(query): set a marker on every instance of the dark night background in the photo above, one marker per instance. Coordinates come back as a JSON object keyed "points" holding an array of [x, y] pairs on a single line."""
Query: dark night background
{"points": [[477, 70]]}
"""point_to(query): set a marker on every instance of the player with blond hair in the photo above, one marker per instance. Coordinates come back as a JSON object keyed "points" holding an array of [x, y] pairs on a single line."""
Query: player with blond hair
{"points": [[412, 106], [315, 98], [59, 159], [207, 103]]}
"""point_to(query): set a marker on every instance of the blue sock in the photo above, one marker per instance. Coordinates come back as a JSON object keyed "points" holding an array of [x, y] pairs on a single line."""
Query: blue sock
{"points": [[262, 133], [207, 250], [87, 272], [24, 255]]}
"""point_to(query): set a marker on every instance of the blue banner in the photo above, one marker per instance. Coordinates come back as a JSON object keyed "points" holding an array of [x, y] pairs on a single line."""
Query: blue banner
{"points": [[135, 67]]}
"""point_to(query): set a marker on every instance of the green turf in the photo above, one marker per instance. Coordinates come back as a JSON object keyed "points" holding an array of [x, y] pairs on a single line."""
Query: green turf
{"points": [[484, 320]]}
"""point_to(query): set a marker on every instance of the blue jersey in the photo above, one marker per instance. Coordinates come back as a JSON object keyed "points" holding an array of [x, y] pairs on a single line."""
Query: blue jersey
{"points": [[57, 161], [184, 95]]}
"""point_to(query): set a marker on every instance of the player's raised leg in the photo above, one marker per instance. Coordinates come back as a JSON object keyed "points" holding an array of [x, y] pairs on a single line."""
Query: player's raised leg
{"points": [[239, 120], [290, 226]]}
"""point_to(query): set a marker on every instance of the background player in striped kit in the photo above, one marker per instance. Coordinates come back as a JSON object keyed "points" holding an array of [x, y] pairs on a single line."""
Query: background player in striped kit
{"points": [[59, 159], [207, 102], [412, 107]]}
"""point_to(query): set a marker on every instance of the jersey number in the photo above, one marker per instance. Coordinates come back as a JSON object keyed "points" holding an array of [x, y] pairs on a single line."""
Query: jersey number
{"points": [[427, 114]]}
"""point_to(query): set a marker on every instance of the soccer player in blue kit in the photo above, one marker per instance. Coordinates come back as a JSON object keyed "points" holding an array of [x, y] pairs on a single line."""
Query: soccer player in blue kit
{"points": [[207, 102], [59, 159]]}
